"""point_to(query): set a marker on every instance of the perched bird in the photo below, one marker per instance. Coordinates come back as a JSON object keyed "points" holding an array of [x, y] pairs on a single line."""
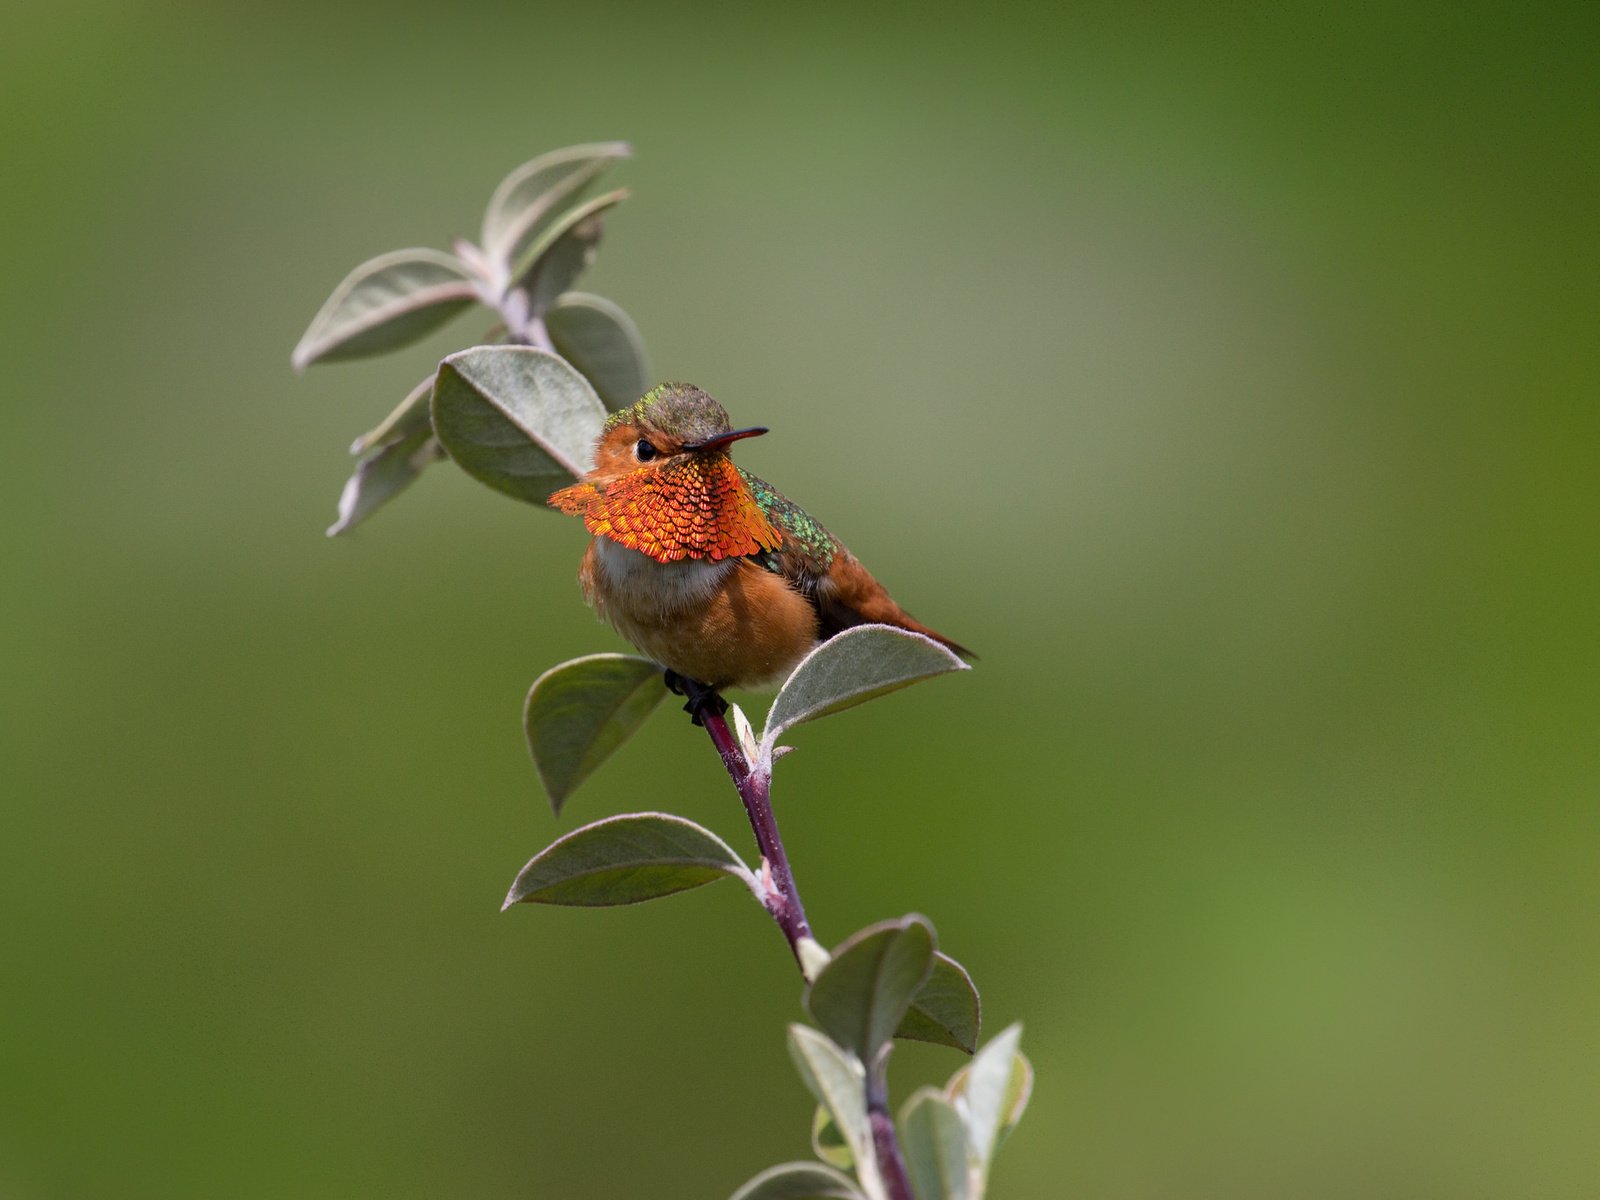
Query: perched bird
{"points": [[708, 570]]}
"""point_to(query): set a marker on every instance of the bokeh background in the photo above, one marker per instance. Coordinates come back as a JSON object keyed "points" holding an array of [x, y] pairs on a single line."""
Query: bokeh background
{"points": [[1225, 375]]}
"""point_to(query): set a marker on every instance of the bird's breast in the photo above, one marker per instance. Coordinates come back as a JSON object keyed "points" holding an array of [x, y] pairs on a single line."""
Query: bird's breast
{"points": [[631, 582], [724, 623]]}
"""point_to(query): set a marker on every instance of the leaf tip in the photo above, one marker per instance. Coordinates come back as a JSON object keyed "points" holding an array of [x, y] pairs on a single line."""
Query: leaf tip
{"points": [[557, 798], [917, 918], [347, 507]]}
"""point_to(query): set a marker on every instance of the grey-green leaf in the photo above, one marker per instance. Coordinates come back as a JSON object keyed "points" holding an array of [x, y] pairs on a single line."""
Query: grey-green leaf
{"points": [[578, 232], [526, 200], [387, 302], [1019, 1090], [626, 860], [839, 1084], [580, 711], [853, 667], [800, 1181], [601, 340], [559, 267], [828, 1141], [408, 416], [392, 455], [860, 997], [521, 420], [992, 1091], [934, 1142], [945, 1010], [382, 475]]}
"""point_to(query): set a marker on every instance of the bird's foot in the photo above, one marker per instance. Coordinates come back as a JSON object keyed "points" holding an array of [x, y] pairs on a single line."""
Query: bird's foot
{"points": [[701, 698]]}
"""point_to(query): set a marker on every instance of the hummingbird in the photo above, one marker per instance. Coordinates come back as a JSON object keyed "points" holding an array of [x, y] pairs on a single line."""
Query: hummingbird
{"points": [[707, 569]]}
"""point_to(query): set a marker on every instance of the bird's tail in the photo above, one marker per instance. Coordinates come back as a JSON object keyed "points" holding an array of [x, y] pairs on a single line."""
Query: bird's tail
{"points": [[851, 596]]}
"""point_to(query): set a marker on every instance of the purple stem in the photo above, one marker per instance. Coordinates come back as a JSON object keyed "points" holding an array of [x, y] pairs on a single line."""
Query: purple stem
{"points": [[885, 1143], [755, 788], [783, 903], [890, 1165]]}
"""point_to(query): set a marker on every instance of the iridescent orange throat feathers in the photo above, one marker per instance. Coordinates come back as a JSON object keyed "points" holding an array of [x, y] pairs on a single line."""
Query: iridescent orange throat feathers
{"points": [[696, 508]]}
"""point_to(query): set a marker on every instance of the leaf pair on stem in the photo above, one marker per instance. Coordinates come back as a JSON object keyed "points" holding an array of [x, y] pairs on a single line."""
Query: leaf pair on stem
{"points": [[581, 711]]}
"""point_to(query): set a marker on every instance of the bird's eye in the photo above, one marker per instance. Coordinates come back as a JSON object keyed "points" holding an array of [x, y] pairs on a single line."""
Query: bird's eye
{"points": [[644, 450]]}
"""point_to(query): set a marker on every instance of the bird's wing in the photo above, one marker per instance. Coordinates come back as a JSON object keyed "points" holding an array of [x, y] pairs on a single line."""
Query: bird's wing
{"points": [[806, 551], [817, 565]]}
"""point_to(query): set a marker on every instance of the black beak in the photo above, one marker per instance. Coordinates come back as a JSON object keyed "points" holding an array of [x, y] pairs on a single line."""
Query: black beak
{"points": [[723, 439]]}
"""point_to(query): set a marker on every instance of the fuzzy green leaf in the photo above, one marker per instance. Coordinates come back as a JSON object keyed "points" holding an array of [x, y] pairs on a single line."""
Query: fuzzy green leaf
{"points": [[934, 1142], [991, 1092], [601, 340], [392, 455], [382, 475], [860, 997], [408, 416], [851, 668], [800, 1181], [528, 199], [1019, 1090], [626, 860], [579, 712], [562, 251], [521, 420], [387, 302], [839, 1084], [828, 1141], [945, 1010]]}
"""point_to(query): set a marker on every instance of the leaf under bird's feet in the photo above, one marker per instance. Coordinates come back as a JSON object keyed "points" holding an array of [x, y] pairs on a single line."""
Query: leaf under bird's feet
{"points": [[702, 698]]}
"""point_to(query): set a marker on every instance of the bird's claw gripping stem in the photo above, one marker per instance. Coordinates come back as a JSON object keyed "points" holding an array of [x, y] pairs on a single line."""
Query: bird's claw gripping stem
{"points": [[701, 698]]}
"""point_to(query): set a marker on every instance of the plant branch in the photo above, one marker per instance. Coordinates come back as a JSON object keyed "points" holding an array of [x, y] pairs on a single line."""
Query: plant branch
{"points": [[783, 902], [885, 1141], [523, 327], [755, 789]]}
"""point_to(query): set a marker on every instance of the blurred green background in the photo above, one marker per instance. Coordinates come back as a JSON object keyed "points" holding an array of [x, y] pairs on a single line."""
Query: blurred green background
{"points": [[1226, 376]]}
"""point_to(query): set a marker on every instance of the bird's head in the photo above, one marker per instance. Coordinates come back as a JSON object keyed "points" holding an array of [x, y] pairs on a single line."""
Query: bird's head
{"points": [[664, 484], [668, 425]]}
